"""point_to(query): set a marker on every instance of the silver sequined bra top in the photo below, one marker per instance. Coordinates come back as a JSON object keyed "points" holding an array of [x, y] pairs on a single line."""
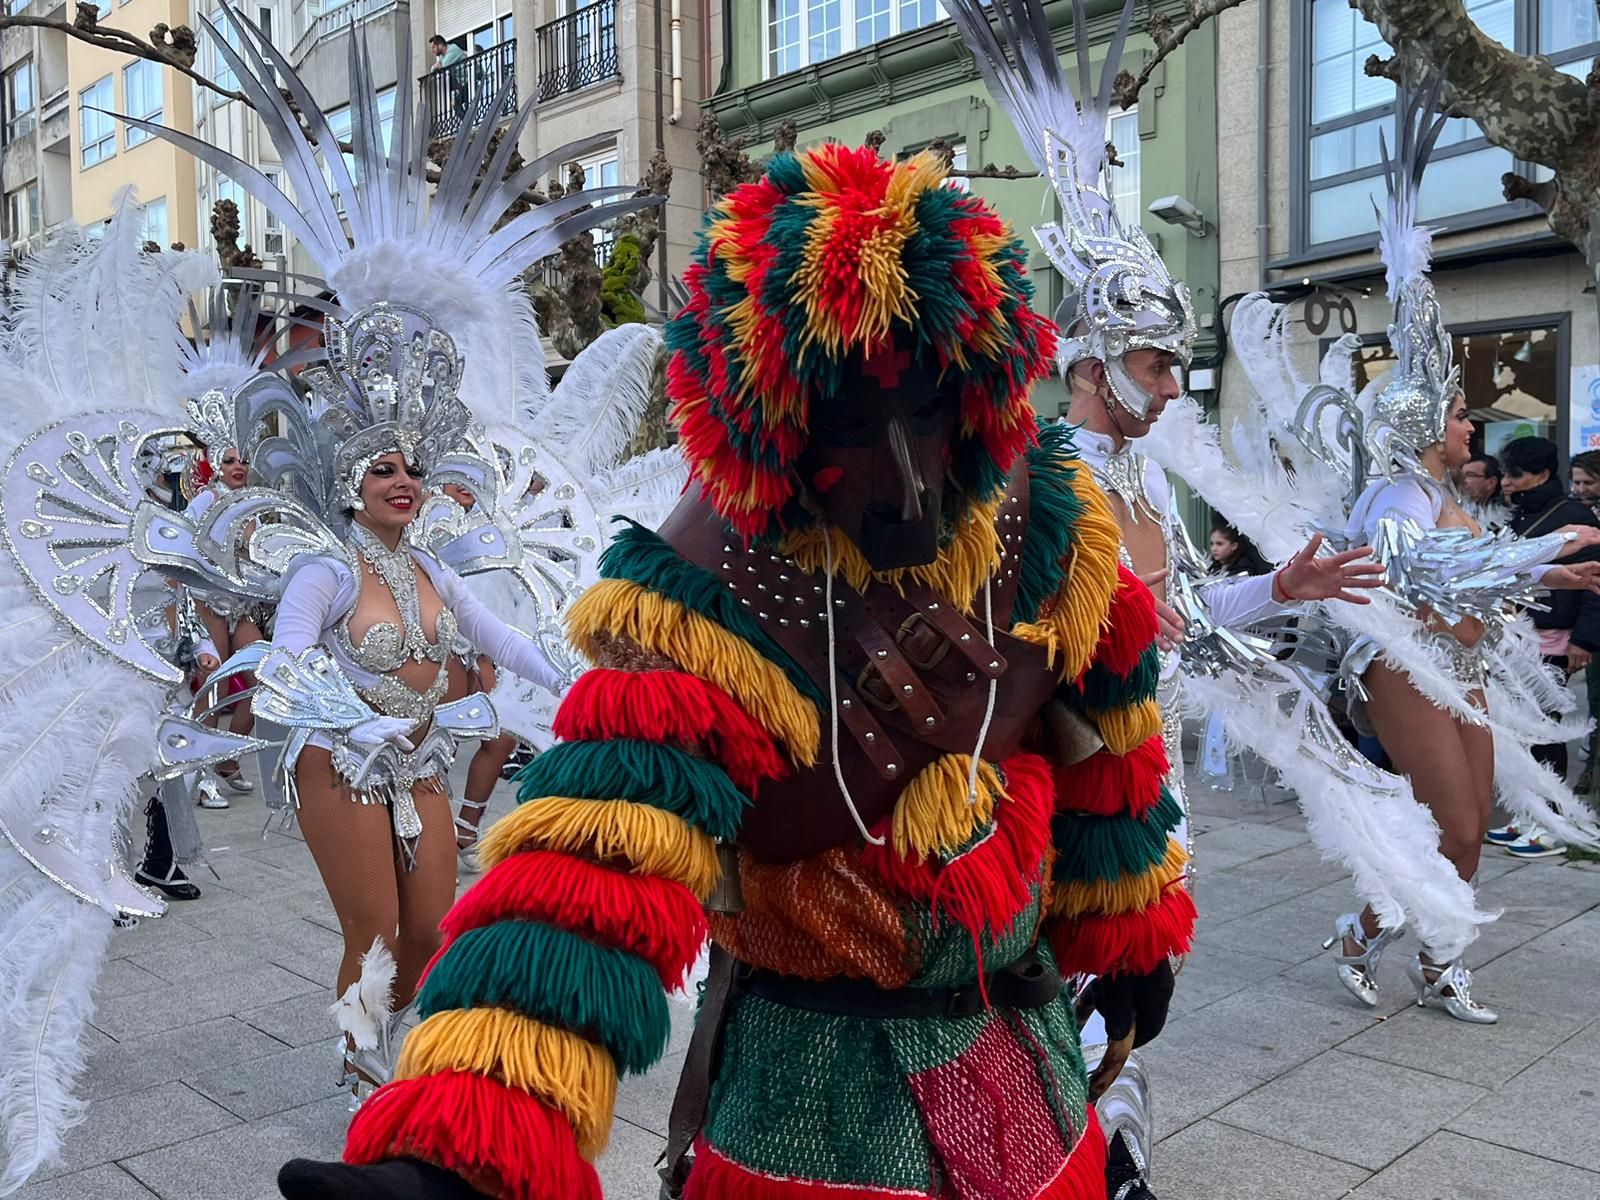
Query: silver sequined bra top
{"points": [[386, 647]]}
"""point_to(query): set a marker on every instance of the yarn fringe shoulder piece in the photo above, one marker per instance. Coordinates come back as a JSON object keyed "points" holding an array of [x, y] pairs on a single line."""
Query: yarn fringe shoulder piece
{"points": [[1106, 784], [501, 1138], [1133, 943], [617, 607], [573, 1076], [1127, 893]]}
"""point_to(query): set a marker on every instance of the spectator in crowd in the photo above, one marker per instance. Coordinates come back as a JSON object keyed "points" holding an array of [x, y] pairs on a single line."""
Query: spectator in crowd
{"points": [[1586, 478], [1480, 485], [1234, 554], [1569, 625], [1586, 490]]}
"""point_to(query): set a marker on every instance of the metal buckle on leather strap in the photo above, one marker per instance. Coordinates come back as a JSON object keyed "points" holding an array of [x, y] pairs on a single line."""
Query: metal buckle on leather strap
{"points": [[1026, 983]]}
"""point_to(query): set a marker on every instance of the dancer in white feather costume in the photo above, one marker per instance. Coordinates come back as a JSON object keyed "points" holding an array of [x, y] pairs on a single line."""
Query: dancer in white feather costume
{"points": [[90, 371], [1435, 667]]}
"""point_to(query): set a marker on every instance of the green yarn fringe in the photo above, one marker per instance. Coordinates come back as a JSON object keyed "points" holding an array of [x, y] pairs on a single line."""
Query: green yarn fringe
{"points": [[1053, 512], [608, 996], [644, 772], [1106, 848], [1101, 689]]}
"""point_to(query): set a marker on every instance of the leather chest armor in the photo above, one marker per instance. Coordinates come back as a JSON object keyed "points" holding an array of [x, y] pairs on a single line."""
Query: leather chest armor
{"points": [[912, 676]]}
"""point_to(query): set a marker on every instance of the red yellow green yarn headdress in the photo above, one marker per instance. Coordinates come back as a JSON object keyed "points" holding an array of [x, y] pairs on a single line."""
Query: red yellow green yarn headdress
{"points": [[828, 256]]}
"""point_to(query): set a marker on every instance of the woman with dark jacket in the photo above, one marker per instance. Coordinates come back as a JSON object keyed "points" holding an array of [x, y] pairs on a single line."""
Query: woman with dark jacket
{"points": [[1569, 624]]}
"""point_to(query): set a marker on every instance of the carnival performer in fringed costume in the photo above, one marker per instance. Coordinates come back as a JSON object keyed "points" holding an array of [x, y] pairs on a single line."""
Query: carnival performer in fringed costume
{"points": [[432, 365], [1435, 666], [1126, 324], [819, 707]]}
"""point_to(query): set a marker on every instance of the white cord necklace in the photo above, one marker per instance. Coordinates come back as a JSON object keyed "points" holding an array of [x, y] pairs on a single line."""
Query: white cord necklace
{"points": [[833, 693]]}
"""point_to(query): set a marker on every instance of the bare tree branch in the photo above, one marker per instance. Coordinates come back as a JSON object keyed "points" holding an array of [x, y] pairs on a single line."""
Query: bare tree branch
{"points": [[1167, 37], [121, 42]]}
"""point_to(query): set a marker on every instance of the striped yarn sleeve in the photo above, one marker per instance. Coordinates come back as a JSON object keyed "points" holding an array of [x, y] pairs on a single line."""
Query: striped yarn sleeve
{"points": [[1118, 903], [553, 975]]}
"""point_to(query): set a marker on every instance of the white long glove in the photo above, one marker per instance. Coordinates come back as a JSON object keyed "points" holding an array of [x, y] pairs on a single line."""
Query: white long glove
{"points": [[375, 731]]}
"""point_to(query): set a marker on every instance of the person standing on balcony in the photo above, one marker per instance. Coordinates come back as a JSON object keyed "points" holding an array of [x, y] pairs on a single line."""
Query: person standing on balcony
{"points": [[448, 55]]}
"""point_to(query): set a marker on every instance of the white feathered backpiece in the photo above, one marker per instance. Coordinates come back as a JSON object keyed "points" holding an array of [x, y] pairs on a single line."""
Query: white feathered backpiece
{"points": [[89, 329]]}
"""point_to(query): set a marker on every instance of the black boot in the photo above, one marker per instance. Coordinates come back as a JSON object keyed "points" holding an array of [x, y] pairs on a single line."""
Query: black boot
{"points": [[158, 870], [398, 1179]]}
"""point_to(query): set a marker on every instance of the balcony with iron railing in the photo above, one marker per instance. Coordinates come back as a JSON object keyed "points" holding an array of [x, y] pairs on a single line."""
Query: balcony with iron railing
{"points": [[352, 14], [466, 90], [578, 50]]}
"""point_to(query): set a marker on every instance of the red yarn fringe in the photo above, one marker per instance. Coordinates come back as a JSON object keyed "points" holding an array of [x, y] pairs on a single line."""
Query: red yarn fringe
{"points": [[1109, 785], [673, 707], [1130, 625], [478, 1128], [989, 885], [1100, 944], [716, 1177], [657, 919]]}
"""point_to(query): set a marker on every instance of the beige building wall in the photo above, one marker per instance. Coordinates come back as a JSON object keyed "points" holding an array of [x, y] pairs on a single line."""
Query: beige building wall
{"points": [[1502, 274], [155, 168]]}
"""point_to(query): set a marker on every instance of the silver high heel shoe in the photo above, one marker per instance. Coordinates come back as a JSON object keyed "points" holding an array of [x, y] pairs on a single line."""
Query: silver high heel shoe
{"points": [[234, 780], [1454, 979], [467, 855], [1359, 972]]}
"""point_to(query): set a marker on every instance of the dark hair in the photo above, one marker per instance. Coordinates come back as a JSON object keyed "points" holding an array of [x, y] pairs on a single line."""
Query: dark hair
{"points": [[437, 40], [1246, 560], [1491, 465], [1588, 460], [1529, 456]]}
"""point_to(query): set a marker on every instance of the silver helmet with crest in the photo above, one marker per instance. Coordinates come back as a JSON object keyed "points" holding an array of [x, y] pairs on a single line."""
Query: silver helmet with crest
{"points": [[1120, 295]]}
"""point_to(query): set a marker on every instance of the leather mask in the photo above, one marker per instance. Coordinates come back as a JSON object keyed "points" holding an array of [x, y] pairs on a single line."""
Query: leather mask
{"points": [[875, 465]]}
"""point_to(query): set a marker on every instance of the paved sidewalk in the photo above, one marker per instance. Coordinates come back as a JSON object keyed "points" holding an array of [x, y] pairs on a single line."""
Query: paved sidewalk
{"points": [[213, 1054]]}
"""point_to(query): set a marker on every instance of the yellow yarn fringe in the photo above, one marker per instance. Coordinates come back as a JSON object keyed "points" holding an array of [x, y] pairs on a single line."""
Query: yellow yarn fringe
{"points": [[576, 1077], [1127, 893], [702, 648], [647, 840], [957, 574], [932, 816], [1070, 622], [1125, 729]]}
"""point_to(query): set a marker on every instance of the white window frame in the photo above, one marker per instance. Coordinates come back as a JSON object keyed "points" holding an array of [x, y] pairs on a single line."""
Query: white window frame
{"points": [[134, 136], [1131, 212], [158, 205], [274, 238], [23, 121], [594, 177], [847, 32], [105, 142]]}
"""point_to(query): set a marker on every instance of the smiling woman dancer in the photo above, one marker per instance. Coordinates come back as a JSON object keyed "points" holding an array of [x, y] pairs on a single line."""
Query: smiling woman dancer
{"points": [[388, 614]]}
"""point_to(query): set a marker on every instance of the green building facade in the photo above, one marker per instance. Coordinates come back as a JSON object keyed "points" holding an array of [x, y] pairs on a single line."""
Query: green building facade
{"points": [[842, 69]]}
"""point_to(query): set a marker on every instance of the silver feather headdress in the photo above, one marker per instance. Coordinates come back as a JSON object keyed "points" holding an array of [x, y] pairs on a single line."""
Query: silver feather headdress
{"points": [[390, 385], [447, 266], [1415, 400], [1121, 296]]}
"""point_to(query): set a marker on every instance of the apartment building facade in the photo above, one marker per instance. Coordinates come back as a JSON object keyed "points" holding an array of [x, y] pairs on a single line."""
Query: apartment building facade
{"points": [[36, 165]]}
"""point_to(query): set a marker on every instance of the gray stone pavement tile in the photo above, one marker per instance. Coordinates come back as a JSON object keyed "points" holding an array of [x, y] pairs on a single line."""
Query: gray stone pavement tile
{"points": [[140, 1121], [1263, 1035], [1279, 932], [1557, 985], [272, 1083], [1351, 1108], [1544, 897], [297, 1020], [628, 1167], [647, 1098], [170, 930], [127, 1017], [1246, 840], [1187, 1086], [1485, 1055], [1582, 1047], [1213, 1161], [241, 1162], [1549, 1110], [1579, 937], [245, 876], [118, 1068], [120, 977], [108, 1182], [1239, 891], [1301, 866], [1315, 982], [1493, 941], [1462, 1168], [1212, 973]]}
